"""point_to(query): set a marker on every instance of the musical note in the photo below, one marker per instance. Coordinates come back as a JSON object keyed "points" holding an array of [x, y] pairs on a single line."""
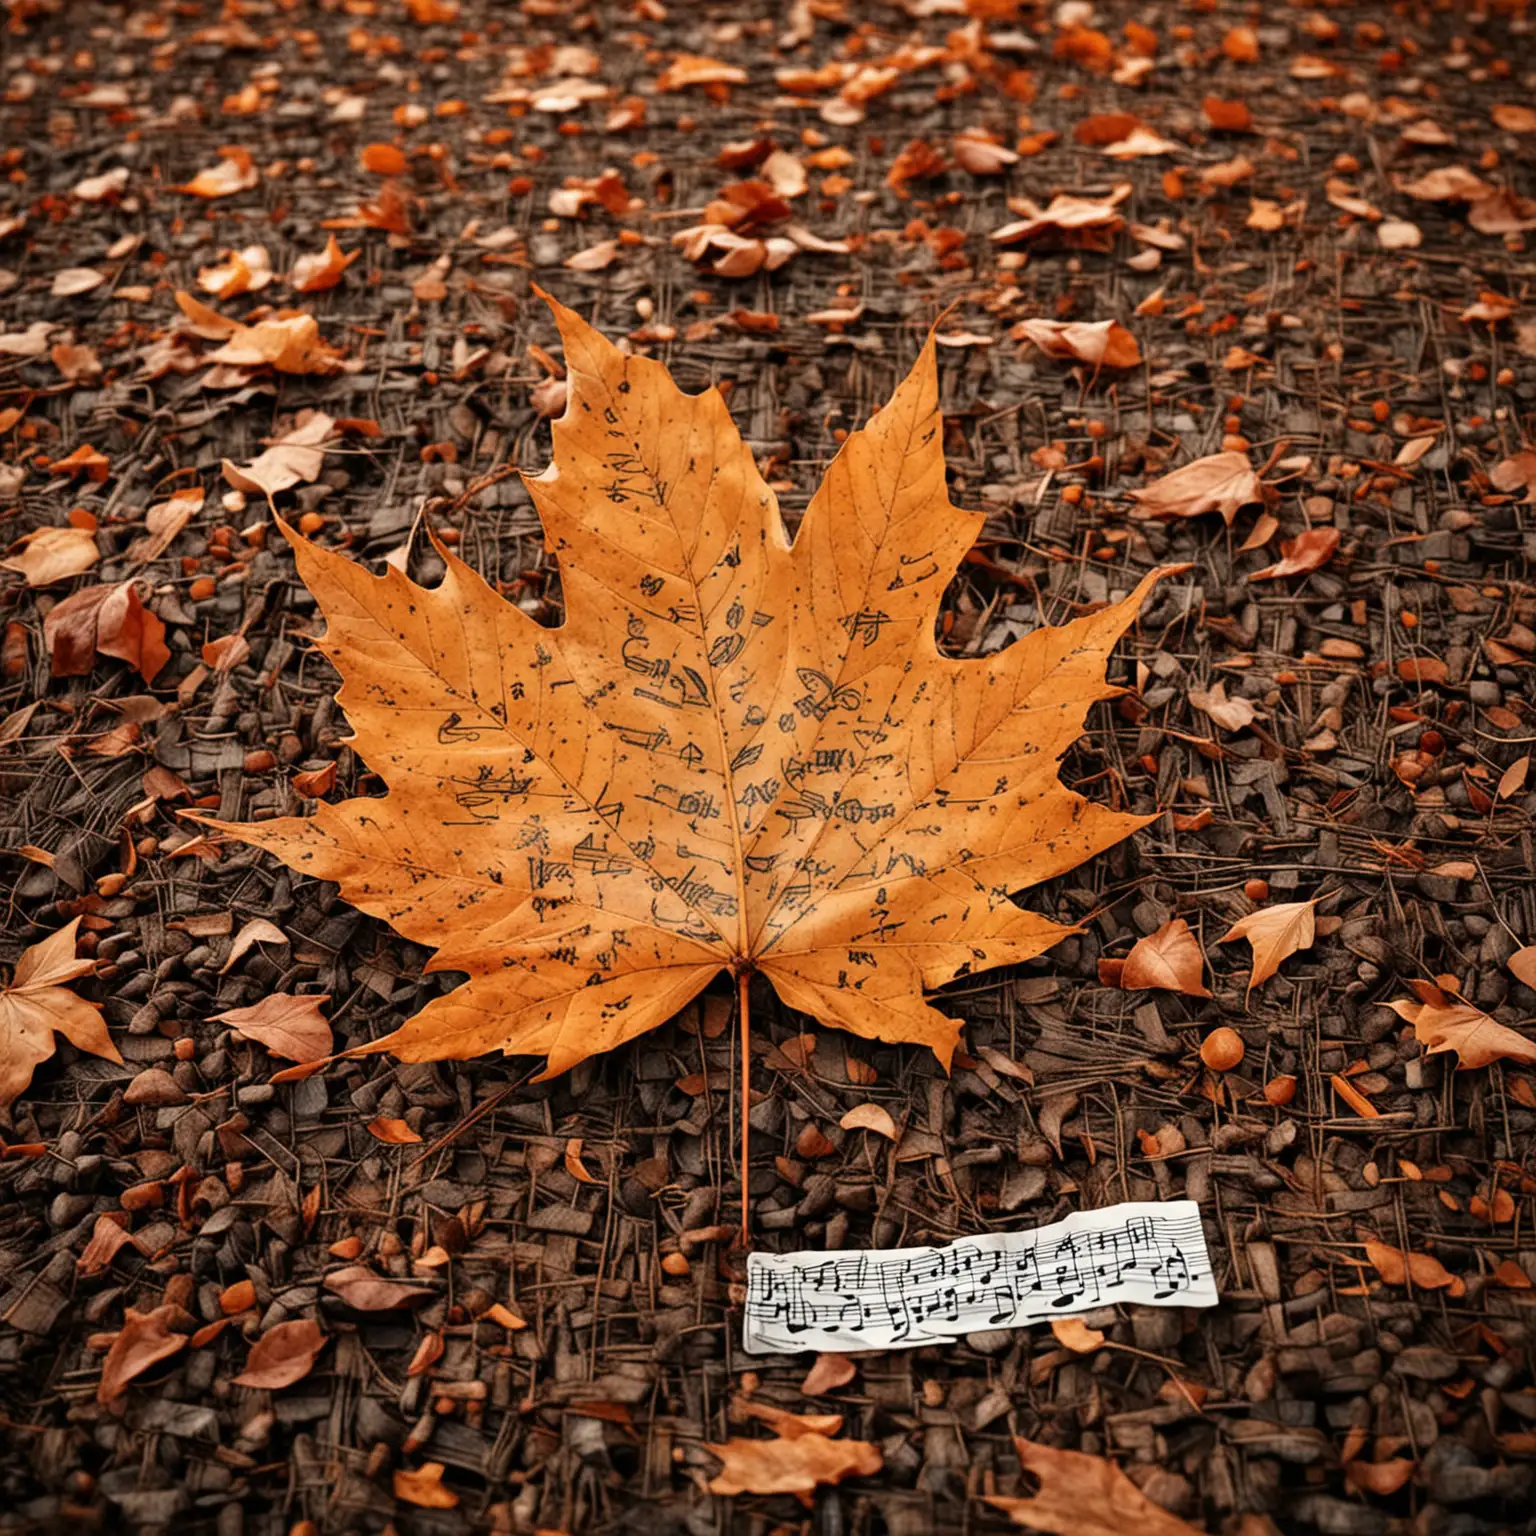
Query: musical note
{"points": [[1135, 1254]]}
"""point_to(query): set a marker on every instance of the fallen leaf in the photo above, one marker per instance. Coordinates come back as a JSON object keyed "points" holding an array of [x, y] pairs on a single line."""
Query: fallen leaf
{"points": [[459, 699], [829, 1373], [289, 341], [796, 1464], [284, 1354], [1306, 552], [1478, 1040], [1397, 1267], [1512, 780], [695, 69], [870, 1117], [69, 282], [53, 554], [295, 456], [1522, 965], [1063, 215], [37, 1003], [365, 1291], [1074, 1334], [316, 273], [96, 189], [107, 1238], [144, 1340], [1220, 482], [1229, 714], [1274, 933], [32, 342], [423, 1486], [1083, 1495], [574, 1165], [1104, 343], [235, 172], [1169, 960], [244, 271], [111, 620], [392, 1131], [257, 931], [290, 1027], [1513, 118]]}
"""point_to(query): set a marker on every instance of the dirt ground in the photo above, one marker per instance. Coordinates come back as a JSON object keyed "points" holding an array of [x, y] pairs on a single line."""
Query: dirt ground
{"points": [[1291, 300]]}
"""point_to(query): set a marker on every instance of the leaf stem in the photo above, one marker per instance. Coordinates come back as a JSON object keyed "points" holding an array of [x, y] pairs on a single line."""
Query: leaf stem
{"points": [[743, 983]]}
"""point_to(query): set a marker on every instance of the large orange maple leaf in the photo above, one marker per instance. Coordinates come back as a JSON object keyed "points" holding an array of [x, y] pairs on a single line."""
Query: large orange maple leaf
{"points": [[736, 753]]}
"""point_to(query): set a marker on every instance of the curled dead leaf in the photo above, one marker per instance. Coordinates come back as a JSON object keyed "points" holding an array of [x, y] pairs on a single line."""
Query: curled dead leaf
{"points": [[284, 1354], [144, 1340], [870, 1117]]}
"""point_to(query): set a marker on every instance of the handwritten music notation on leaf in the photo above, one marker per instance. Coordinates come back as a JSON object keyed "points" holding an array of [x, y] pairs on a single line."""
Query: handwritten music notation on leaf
{"points": [[1141, 1253]]}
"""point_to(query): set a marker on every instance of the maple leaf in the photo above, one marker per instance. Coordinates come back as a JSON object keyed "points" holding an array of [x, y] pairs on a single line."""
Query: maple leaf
{"points": [[1084, 1495], [800, 1457], [1274, 933], [1478, 1040], [1220, 482], [37, 1002], [735, 754]]}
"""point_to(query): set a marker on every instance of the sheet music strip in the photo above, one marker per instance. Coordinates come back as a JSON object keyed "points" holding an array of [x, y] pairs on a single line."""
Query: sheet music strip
{"points": [[1143, 1253]]}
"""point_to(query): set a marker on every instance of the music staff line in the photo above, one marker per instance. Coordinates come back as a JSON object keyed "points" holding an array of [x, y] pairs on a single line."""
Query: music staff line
{"points": [[1146, 1254]]}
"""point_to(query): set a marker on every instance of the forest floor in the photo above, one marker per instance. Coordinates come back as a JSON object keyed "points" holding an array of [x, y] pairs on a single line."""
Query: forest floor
{"points": [[1318, 237]]}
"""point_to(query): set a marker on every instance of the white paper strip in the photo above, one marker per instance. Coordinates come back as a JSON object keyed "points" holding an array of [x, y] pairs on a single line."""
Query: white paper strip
{"points": [[1142, 1253]]}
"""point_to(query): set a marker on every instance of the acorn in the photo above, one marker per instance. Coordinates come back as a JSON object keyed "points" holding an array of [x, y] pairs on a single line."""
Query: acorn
{"points": [[1222, 1049]]}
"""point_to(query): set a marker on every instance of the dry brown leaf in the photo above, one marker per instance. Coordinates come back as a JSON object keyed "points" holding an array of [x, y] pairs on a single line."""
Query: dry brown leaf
{"points": [[1084, 1496], [1275, 933], [1306, 552], [288, 341], [574, 1165], [796, 1464], [37, 1003], [870, 1117], [290, 1027], [1169, 960], [257, 931], [325, 269], [1397, 1268], [1220, 482], [1229, 714], [828, 1374], [423, 1486], [695, 69], [284, 1354], [365, 1291], [1064, 214], [295, 456], [1522, 965], [111, 620], [144, 1340], [1074, 1334], [235, 172], [643, 733], [1478, 1040], [53, 554], [1104, 343], [244, 271], [107, 1237], [164, 521]]}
